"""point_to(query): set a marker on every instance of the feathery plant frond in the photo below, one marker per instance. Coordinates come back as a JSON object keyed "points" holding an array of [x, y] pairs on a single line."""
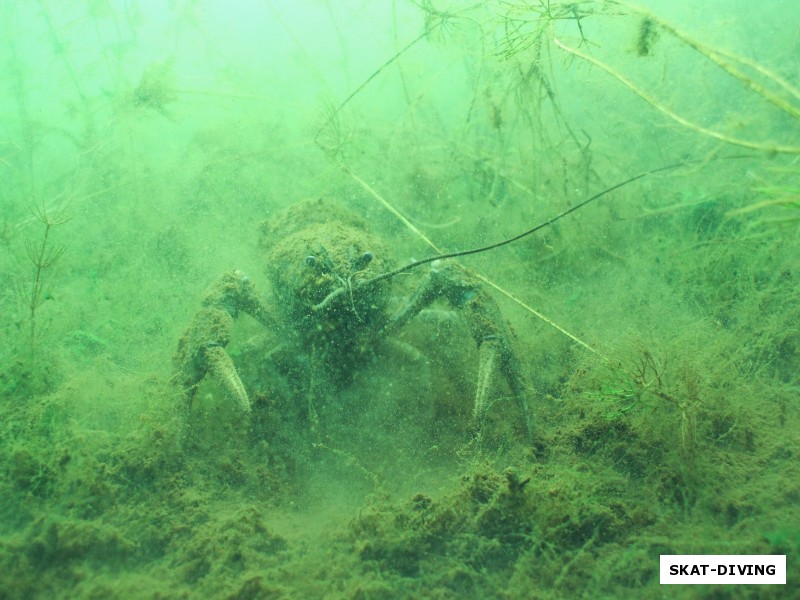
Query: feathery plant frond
{"points": [[43, 254]]}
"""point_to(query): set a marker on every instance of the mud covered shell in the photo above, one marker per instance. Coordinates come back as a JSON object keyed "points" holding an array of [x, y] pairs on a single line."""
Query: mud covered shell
{"points": [[315, 257], [303, 214]]}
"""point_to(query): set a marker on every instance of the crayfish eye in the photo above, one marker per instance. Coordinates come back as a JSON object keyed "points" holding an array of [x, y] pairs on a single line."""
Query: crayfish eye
{"points": [[311, 260]]}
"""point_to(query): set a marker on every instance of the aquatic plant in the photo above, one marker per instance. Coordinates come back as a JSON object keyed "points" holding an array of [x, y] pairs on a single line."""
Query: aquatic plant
{"points": [[643, 382], [766, 84], [753, 76], [780, 198], [43, 253]]}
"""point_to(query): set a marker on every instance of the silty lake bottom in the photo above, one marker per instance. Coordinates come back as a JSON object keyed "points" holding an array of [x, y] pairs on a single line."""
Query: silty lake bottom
{"points": [[208, 391]]}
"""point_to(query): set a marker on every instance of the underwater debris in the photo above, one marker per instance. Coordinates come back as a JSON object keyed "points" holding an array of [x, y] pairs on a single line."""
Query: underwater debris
{"points": [[647, 36], [155, 89]]}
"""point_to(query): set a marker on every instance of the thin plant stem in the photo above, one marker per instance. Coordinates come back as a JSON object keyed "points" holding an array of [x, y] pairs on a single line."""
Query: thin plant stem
{"points": [[42, 255], [728, 62], [655, 103]]}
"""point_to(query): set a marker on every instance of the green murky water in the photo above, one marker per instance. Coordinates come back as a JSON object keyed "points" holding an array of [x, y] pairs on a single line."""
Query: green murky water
{"points": [[322, 435]]}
